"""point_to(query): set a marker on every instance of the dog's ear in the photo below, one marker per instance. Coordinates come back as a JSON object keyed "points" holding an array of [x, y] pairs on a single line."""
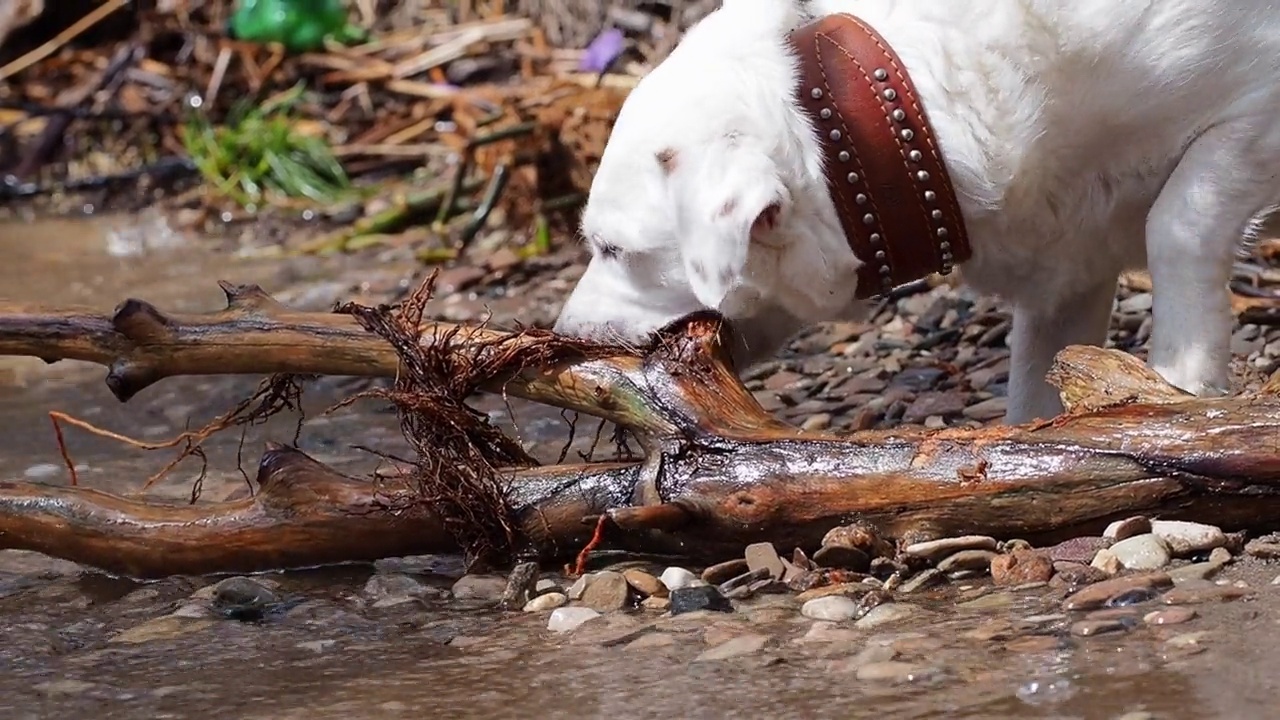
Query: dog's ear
{"points": [[740, 198]]}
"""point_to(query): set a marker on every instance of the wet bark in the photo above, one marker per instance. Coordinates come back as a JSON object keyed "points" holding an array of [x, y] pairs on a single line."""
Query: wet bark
{"points": [[718, 472]]}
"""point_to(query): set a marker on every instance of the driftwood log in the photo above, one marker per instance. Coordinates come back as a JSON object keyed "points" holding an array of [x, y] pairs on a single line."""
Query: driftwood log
{"points": [[718, 472]]}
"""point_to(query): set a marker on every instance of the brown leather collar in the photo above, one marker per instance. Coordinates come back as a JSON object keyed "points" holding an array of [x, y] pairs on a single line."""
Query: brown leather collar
{"points": [[884, 167]]}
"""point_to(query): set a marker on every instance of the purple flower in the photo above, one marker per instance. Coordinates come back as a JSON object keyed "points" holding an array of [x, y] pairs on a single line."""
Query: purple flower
{"points": [[603, 50]]}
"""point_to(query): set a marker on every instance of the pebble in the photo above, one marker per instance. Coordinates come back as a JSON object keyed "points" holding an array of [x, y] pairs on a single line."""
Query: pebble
{"points": [[660, 604], [931, 404], [521, 582], [1128, 598], [837, 589], [1096, 595], [992, 601], [1197, 594], [43, 471], [825, 631], [894, 672], [1187, 639], [699, 597], [1220, 555], [1169, 616], [1021, 566], [1127, 528], [885, 614], [1089, 628], [388, 589], [835, 608], [858, 536], [1078, 550], [764, 557], [725, 571], [197, 610], [1142, 552], [935, 550], [848, 558], [1070, 573], [1195, 572], [242, 598], [676, 578], [989, 409], [162, 628], [546, 601], [1187, 538], [923, 579], [737, 647], [644, 583], [489, 588], [605, 591], [967, 560], [1267, 550], [1107, 562], [565, 619], [816, 422], [652, 640]]}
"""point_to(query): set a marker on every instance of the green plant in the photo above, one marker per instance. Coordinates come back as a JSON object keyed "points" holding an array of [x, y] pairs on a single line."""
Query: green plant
{"points": [[258, 155]]}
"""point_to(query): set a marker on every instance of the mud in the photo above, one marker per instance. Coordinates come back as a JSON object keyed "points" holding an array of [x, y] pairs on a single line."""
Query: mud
{"points": [[333, 644]]}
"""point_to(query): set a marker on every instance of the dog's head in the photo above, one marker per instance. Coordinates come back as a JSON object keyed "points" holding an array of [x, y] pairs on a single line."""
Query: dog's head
{"points": [[710, 194]]}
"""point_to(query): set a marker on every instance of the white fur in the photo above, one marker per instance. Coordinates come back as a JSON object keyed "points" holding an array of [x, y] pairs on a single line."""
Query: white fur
{"points": [[1083, 137]]}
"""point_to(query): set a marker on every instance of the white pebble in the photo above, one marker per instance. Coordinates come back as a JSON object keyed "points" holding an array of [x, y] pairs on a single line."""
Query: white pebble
{"points": [[43, 471], [835, 608], [546, 601], [565, 619], [1186, 538], [677, 577]]}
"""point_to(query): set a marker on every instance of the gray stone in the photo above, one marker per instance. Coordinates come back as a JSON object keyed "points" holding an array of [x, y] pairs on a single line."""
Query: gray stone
{"points": [[1142, 552], [606, 591], [699, 597], [566, 619], [835, 608], [763, 556], [383, 587], [488, 588], [1188, 538]]}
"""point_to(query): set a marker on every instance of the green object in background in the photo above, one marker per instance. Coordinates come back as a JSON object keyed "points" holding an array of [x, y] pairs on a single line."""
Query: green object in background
{"points": [[298, 25]]}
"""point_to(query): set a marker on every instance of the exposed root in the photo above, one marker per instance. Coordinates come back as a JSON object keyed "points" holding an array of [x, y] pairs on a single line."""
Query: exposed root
{"points": [[461, 456], [275, 394]]}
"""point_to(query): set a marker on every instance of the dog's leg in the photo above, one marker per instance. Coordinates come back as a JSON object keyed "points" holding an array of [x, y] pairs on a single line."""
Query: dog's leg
{"points": [[1040, 331], [1221, 182]]}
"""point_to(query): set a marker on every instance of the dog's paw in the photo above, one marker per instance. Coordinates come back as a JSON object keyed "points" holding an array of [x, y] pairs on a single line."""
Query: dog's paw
{"points": [[1193, 383]]}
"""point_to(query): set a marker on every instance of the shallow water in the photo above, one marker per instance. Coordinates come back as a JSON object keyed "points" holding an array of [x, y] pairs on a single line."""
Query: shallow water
{"points": [[333, 653]]}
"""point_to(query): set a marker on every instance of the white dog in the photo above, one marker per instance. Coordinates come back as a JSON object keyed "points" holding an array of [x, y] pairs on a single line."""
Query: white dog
{"points": [[1081, 138]]}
